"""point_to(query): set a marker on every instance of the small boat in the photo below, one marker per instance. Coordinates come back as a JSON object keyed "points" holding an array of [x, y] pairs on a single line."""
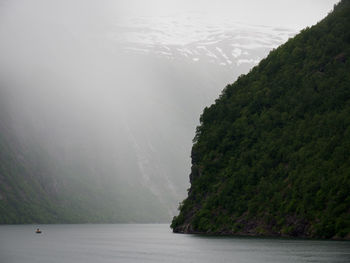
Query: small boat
{"points": [[38, 231]]}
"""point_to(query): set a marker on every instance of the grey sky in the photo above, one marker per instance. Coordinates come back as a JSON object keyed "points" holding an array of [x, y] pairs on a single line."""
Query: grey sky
{"points": [[295, 14]]}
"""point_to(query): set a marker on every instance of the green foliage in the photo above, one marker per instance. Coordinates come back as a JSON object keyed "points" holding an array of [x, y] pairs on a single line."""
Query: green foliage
{"points": [[274, 149]]}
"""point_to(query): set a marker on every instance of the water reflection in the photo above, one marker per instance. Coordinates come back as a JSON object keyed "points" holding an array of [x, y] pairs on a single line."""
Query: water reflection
{"points": [[155, 243]]}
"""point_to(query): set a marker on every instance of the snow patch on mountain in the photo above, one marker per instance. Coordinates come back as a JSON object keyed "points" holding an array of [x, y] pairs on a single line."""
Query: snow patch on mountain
{"points": [[196, 38]]}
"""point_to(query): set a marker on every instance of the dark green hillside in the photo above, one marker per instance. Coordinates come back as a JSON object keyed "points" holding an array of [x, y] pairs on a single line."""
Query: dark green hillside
{"points": [[272, 155]]}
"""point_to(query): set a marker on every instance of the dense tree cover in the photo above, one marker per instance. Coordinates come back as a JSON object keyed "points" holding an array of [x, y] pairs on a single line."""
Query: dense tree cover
{"points": [[272, 155]]}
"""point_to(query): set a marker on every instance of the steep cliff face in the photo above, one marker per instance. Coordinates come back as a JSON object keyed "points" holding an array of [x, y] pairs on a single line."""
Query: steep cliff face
{"points": [[271, 156]]}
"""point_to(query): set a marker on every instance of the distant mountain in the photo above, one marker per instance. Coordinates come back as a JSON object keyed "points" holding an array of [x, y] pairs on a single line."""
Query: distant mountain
{"points": [[271, 155], [98, 115], [191, 59], [200, 38]]}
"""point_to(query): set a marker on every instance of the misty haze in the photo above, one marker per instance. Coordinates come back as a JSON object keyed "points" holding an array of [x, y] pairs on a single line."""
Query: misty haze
{"points": [[105, 103], [100, 102]]}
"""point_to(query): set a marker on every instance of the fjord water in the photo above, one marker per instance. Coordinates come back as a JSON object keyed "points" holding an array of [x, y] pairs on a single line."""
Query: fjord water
{"points": [[154, 243]]}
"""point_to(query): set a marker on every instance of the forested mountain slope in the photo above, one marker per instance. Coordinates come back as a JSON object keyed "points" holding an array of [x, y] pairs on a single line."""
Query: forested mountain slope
{"points": [[272, 155]]}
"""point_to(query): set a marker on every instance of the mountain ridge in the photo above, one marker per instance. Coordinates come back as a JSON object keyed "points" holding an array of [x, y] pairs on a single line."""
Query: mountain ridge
{"points": [[270, 156]]}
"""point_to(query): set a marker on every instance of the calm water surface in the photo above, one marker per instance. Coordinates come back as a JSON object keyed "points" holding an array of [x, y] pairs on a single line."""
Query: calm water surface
{"points": [[154, 243]]}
